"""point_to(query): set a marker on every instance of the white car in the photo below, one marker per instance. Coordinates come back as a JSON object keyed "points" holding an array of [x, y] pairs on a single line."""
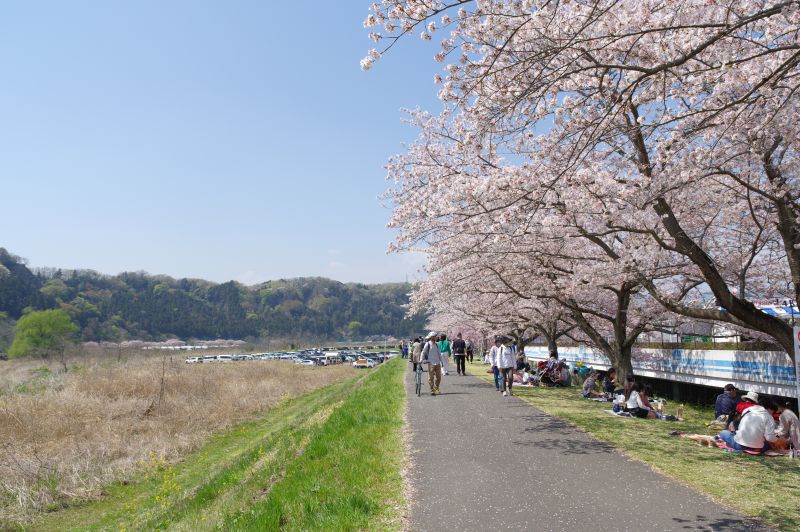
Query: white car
{"points": [[364, 363], [194, 360]]}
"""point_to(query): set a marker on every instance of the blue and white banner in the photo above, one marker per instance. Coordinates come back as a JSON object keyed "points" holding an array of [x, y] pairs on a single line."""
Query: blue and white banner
{"points": [[796, 331], [770, 372]]}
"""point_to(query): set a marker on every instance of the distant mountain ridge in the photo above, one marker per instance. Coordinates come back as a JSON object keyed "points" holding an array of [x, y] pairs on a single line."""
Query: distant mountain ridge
{"points": [[155, 307]]}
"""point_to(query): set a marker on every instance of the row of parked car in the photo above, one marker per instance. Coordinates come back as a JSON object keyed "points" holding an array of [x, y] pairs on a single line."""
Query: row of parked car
{"points": [[370, 360], [312, 357]]}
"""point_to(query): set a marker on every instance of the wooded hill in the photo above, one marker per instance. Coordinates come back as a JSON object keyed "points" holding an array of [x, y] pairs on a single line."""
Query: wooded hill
{"points": [[155, 307]]}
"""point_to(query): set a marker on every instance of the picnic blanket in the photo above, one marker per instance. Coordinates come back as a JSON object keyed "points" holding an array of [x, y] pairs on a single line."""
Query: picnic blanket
{"points": [[769, 453], [618, 414], [726, 448]]}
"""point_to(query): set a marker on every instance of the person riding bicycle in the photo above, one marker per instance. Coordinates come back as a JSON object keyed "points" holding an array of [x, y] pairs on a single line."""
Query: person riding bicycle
{"points": [[416, 353], [431, 355]]}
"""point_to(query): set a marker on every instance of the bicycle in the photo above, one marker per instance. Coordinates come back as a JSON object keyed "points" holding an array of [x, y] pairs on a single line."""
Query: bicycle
{"points": [[418, 379]]}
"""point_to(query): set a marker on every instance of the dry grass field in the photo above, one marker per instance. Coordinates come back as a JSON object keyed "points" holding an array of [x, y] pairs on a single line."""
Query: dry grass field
{"points": [[64, 436]]}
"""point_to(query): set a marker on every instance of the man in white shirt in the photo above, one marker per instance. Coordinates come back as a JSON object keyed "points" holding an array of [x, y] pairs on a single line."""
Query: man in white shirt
{"points": [[756, 428], [502, 359], [506, 362], [432, 356]]}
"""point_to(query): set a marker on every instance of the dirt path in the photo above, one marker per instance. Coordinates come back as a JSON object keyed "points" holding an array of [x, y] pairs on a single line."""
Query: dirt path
{"points": [[482, 461]]}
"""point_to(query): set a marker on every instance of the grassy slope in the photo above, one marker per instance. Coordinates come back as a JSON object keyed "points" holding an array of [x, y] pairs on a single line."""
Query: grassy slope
{"points": [[330, 459], [348, 478], [768, 488]]}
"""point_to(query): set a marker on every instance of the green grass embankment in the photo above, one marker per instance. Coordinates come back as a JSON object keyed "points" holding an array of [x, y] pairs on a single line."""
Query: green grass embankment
{"points": [[762, 487], [329, 460]]}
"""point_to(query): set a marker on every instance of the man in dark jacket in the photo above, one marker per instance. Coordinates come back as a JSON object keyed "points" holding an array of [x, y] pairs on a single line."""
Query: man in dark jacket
{"points": [[726, 402], [460, 354]]}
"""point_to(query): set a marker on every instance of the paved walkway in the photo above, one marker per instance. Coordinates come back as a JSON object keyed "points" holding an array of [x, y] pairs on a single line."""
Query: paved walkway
{"points": [[484, 462]]}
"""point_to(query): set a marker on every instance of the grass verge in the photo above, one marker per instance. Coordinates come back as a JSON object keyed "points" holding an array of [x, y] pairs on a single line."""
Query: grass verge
{"points": [[766, 488], [328, 460]]}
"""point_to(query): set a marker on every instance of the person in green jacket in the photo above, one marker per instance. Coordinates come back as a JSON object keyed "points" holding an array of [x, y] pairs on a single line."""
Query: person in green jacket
{"points": [[444, 348]]}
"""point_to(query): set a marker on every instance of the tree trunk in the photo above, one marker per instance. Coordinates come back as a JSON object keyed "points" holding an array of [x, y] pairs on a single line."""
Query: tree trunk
{"points": [[623, 364], [552, 346]]}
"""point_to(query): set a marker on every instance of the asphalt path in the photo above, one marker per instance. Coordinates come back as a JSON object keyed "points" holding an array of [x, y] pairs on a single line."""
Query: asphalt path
{"points": [[481, 461]]}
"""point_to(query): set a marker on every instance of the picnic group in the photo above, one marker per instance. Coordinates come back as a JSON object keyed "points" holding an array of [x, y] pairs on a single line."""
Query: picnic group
{"points": [[753, 424], [748, 423]]}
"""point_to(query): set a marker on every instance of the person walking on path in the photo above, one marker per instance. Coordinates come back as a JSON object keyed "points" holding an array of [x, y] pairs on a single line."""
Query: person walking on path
{"points": [[506, 361], [416, 353], [444, 349], [460, 354], [470, 350], [431, 355], [492, 359]]}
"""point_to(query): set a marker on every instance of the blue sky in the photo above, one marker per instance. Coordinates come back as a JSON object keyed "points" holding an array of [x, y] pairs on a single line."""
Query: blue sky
{"points": [[236, 140]]}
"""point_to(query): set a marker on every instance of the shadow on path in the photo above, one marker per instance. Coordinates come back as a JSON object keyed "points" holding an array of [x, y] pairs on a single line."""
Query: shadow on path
{"points": [[732, 523]]}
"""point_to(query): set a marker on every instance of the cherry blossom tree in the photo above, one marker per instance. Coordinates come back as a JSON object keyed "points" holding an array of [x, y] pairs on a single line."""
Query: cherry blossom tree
{"points": [[667, 128]]}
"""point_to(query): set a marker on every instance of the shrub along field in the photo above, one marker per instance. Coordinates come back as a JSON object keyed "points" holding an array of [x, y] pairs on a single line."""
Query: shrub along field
{"points": [[767, 488], [65, 436]]}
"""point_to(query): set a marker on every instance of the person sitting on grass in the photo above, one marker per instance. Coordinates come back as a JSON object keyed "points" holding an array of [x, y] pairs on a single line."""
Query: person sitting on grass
{"points": [[726, 403], [588, 385], [645, 394], [638, 403], [552, 362], [629, 380], [756, 428], [610, 381], [749, 399], [564, 376], [522, 362], [788, 425]]}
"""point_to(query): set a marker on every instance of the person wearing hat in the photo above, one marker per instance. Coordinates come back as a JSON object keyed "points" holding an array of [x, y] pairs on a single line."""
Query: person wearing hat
{"points": [[748, 400], [432, 356], [726, 402], [756, 428]]}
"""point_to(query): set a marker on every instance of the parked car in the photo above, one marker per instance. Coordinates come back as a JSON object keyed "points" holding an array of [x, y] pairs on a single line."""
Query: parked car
{"points": [[194, 360], [364, 362]]}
